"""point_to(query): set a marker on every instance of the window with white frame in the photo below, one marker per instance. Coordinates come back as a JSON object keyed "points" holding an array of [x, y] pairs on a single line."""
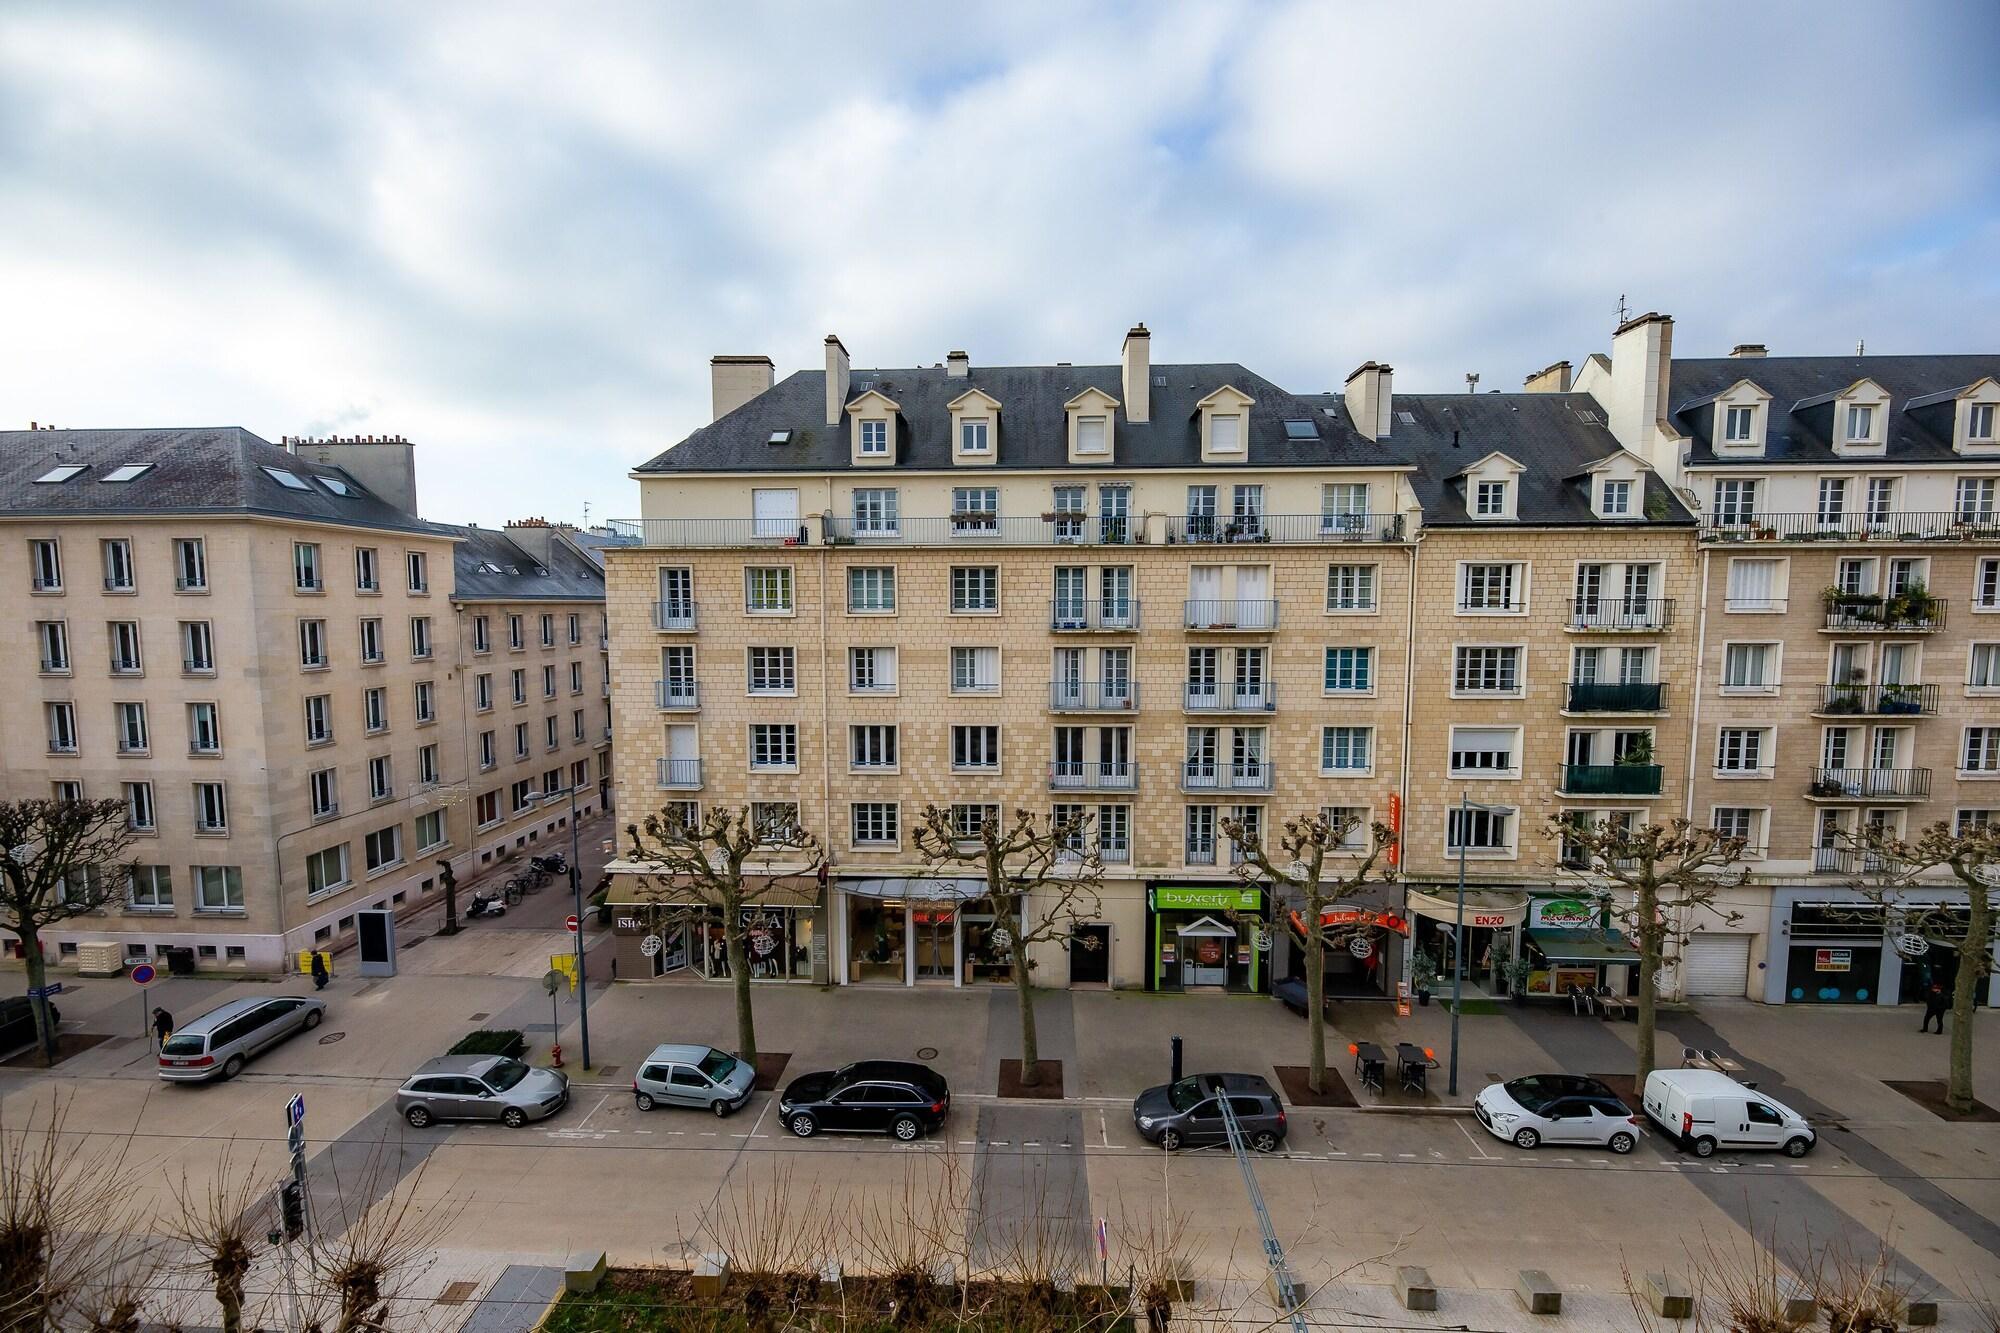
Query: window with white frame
{"points": [[1225, 433], [126, 659], [211, 808], [968, 822], [1735, 501], [1348, 670], [190, 565], [305, 567], [975, 747], [576, 678], [366, 579], [875, 438], [1974, 500], [877, 512], [1743, 751], [517, 632], [1881, 499], [871, 670], [323, 792], [417, 570], [1479, 830], [139, 814], [774, 820], [371, 640], [374, 710], [204, 729], [1093, 435], [548, 630], [1615, 498], [975, 588], [319, 719], [871, 589], [1983, 667], [45, 556], [975, 670], [872, 745], [875, 824], [1486, 670], [118, 572], [383, 847], [1750, 667], [1981, 753], [1741, 821], [1491, 587], [420, 638], [489, 749], [62, 728], [381, 786], [1986, 585], [774, 745], [1350, 587], [773, 671], [131, 728], [429, 829], [1979, 420], [1755, 585], [551, 732], [972, 436], [975, 509], [519, 678], [54, 636], [1349, 825], [767, 590], [1345, 749], [521, 747], [1860, 423], [149, 887], [218, 888], [1485, 752], [1489, 499], [1970, 820], [575, 629], [1739, 425], [424, 698]]}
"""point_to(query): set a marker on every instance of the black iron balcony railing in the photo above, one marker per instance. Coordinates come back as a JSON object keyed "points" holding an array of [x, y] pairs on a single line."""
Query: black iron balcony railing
{"points": [[680, 773], [1615, 698], [1094, 614], [1610, 779], [1879, 700], [1621, 613], [1237, 775], [673, 615], [1067, 775], [1093, 696], [1228, 529], [1870, 784], [1256, 614], [677, 694], [1859, 613], [1944, 525], [1201, 851], [1229, 696]]}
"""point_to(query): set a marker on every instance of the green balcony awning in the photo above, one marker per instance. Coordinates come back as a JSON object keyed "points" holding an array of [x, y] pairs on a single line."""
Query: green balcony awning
{"points": [[1584, 946]]}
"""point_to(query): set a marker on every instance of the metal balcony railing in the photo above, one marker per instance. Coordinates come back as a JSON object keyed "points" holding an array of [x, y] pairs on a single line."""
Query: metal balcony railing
{"points": [[1857, 613], [1621, 613], [1942, 525], [673, 615], [682, 774], [1237, 775], [1614, 698], [1610, 779], [677, 694], [1879, 700], [1070, 776], [1865, 784], [1201, 851], [1226, 529], [1261, 615], [1229, 696], [1851, 861], [1093, 696], [1095, 614]]}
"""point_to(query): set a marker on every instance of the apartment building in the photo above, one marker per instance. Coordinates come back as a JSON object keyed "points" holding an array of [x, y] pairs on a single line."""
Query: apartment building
{"points": [[254, 645]]}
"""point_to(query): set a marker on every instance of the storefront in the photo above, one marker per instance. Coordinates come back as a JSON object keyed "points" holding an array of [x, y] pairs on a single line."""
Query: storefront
{"points": [[1208, 937], [1363, 950], [1569, 942], [784, 939], [912, 931], [1834, 946], [1492, 921]]}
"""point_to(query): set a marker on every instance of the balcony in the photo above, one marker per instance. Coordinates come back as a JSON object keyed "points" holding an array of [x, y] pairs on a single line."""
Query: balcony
{"points": [[1225, 530], [1860, 613], [1241, 775], [1878, 700], [1870, 784], [1227, 697], [1618, 698], [1093, 696], [674, 615], [1621, 615], [1609, 780], [680, 774], [1201, 851], [1106, 617], [1071, 776], [1256, 617], [1931, 526], [1852, 861], [984, 529], [676, 695]]}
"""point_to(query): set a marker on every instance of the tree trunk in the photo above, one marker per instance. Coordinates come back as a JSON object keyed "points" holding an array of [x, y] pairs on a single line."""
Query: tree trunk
{"points": [[1316, 998], [1972, 965], [38, 976], [739, 981], [1652, 933], [1031, 1059]]}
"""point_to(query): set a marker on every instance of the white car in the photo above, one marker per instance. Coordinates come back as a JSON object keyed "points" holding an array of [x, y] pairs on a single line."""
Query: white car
{"points": [[1558, 1108]]}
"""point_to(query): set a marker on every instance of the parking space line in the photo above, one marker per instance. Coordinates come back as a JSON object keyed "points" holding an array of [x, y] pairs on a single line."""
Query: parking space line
{"points": [[1477, 1147]]}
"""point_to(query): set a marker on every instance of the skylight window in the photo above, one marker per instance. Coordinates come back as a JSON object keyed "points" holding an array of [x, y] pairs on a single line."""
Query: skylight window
{"points": [[127, 472], [780, 437], [1301, 430], [289, 480], [56, 474], [338, 486], [1407, 418]]}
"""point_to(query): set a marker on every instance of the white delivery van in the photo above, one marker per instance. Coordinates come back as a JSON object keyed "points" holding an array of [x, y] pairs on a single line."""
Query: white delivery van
{"points": [[1702, 1110]]}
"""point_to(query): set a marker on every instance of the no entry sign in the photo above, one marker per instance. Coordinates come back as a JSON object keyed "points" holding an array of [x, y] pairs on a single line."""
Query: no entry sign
{"points": [[144, 975], [569, 924]]}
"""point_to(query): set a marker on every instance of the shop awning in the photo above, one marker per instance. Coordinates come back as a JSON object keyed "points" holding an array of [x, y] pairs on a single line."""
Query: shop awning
{"points": [[629, 889], [1343, 920], [1483, 907], [1584, 946], [1207, 927], [926, 888]]}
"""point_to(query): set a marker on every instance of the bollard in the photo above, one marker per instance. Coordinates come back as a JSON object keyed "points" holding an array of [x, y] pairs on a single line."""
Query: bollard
{"points": [[1414, 1288], [1668, 1296], [1175, 1046], [1537, 1293]]}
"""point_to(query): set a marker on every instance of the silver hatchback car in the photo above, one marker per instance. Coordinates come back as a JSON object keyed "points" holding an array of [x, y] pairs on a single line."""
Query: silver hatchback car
{"points": [[697, 1076], [481, 1087]]}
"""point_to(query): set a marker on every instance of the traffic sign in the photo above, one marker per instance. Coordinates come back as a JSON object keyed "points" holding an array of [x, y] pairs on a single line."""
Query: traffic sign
{"points": [[44, 992], [295, 1109], [569, 924], [144, 975]]}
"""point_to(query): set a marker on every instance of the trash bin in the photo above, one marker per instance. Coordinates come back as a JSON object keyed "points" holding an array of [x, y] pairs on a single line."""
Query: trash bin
{"points": [[180, 962]]}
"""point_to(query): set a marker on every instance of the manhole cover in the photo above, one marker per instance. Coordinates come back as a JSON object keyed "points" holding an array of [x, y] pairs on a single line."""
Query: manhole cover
{"points": [[477, 1017], [458, 1293], [926, 1052], [331, 1037], [607, 1069]]}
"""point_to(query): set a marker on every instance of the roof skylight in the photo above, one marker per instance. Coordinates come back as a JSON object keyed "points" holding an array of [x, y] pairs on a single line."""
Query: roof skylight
{"points": [[289, 480], [56, 474], [127, 472], [1301, 430], [338, 485], [780, 437]]}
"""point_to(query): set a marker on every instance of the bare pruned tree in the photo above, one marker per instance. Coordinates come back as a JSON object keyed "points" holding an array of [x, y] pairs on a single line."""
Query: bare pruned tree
{"points": [[222, 1220], [1651, 881], [1894, 865], [712, 867], [1297, 878], [58, 860], [1053, 862]]}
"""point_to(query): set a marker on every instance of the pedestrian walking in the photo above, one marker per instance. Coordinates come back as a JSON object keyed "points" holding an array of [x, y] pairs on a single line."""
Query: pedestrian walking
{"points": [[163, 1025], [319, 972], [1936, 1002]]}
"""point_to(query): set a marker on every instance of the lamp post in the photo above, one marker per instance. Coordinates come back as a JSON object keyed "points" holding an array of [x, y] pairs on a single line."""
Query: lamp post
{"points": [[1465, 809], [576, 891]]}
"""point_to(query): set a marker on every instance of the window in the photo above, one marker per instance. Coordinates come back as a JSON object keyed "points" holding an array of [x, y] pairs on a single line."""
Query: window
{"points": [[517, 634], [1832, 500], [871, 589], [323, 788], [211, 808], [522, 795], [1860, 423], [1741, 821], [576, 725], [876, 512], [1343, 507], [1737, 424], [875, 824], [371, 641], [417, 566], [551, 731], [46, 558], [969, 821], [1487, 670], [1881, 500], [1485, 752], [381, 786], [1986, 585], [1617, 498], [576, 678], [482, 691], [289, 480], [975, 747], [1489, 588], [118, 573], [1350, 587], [319, 719], [874, 439], [975, 670], [1091, 435], [871, 670], [1979, 422], [366, 577], [218, 888], [486, 810], [1983, 667], [131, 728], [139, 816], [430, 830], [519, 678], [488, 750], [420, 637], [1968, 820], [1740, 750], [872, 745], [326, 869], [520, 740], [1489, 499], [59, 474], [67, 793], [1974, 503], [312, 644], [1478, 830], [1349, 670], [1751, 667], [54, 635], [1225, 434], [62, 728], [197, 647], [972, 437], [426, 702], [774, 745], [374, 710], [548, 631], [774, 514], [575, 628], [1735, 501], [125, 656], [204, 729], [772, 671], [1982, 751], [549, 680], [975, 588], [383, 847], [305, 567], [1200, 835], [149, 887], [1344, 749], [1755, 585], [975, 509], [1349, 825]]}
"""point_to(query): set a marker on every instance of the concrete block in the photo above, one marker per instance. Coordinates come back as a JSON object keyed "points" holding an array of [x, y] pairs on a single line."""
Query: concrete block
{"points": [[584, 1271], [1538, 1292], [1668, 1296], [1797, 1302], [1414, 1288], [1921, 1313], [711, 1275]]}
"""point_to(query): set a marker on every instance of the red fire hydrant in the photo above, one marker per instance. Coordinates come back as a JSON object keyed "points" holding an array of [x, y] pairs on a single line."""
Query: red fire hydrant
{"points": [[555, 1055]]}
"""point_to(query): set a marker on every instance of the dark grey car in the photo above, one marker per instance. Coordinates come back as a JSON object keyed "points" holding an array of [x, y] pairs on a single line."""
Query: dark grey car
{"points": [[481, 1087], [1188, 1114]]}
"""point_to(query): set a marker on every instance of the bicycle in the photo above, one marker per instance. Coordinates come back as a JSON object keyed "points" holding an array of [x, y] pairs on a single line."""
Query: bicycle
{"points": [[512, 892]]}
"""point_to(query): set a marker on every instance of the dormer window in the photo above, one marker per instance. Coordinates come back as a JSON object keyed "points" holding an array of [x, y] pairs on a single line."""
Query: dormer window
{"points": [[1617, 498], [1225, 434], [1489, 499], [1979, 423], [1860, 423], [1738, 425], [1091, 434], [972, 437], [875, 439], [1225, 425]]}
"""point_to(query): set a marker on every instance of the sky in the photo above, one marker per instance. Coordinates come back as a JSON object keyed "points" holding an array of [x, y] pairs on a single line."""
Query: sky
{"points": [[516, 232]]}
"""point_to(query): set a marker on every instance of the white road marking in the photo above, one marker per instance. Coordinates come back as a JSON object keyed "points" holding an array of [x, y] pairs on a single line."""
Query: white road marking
{"points": [[1031, 1143], [593, 1110], [1371, 1154], [968, 1143], [1478, 1147], [1408, 1155], [1103, 1130]]}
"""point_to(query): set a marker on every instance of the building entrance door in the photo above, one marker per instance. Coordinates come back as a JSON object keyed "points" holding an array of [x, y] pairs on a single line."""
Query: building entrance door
{"points": [[934, 929], [1205, 948]]}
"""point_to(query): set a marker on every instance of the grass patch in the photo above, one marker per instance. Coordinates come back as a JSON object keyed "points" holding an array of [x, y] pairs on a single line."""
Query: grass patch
{"points": [[1472, 1006], [491, 1041]]}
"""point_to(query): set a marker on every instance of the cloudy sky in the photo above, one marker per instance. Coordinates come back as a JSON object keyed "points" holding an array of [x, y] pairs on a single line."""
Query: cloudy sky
{"points": [[516, 232]]}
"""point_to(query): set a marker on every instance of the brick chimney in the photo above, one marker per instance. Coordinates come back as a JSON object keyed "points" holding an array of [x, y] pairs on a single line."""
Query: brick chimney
{"points": [[735, 380], [836, 379], [1549, 379], [1137, 355], [1370, 400]]}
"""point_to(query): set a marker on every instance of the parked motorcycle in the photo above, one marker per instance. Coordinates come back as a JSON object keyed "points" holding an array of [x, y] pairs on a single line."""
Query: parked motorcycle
{"points": [[553, 863], [485, 904]]}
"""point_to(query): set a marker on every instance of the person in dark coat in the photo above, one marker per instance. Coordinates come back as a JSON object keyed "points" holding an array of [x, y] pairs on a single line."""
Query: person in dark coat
{"points": [[319, 973], [163, 1025], [1936, 1003]]}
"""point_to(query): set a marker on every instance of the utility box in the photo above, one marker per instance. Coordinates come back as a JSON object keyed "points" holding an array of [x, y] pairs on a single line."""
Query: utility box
{"points": [[100, 958], [180, 961]]}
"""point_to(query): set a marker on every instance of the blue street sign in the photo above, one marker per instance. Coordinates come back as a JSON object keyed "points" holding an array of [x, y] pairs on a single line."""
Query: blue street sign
{"points": [[43, 992], [143, 974], [295, 1110]]}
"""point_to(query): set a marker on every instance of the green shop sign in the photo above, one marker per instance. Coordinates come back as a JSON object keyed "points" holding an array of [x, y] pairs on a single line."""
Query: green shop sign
{"points": [[1208, 899]]}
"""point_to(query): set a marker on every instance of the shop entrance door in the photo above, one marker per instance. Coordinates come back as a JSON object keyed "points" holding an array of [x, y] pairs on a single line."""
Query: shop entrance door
{"points": [[1090, 956], [934, 931], [1205, 948]]}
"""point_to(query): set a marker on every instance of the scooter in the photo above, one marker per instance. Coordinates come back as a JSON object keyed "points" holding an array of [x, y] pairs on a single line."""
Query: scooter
{"points": [[485, 904]]}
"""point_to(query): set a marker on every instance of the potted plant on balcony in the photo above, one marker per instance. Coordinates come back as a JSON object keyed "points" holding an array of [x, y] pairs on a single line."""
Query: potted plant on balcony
{"points": [[974, 518], [1766, 534], [1900, 699], [1824, 787], [1638, 754]]}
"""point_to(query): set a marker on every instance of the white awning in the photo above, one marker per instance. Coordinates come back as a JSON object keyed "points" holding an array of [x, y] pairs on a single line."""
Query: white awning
{"points": [[1207, 928], [928, 889], [1483, 907]]}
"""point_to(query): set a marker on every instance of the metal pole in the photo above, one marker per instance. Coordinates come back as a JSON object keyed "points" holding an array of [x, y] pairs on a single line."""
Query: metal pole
{"points": [[1458, 942], [576, 889]]}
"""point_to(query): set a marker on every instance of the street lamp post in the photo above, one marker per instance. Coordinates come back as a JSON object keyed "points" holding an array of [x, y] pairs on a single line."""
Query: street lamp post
{"points": [[576, 891], [1465, 809]]}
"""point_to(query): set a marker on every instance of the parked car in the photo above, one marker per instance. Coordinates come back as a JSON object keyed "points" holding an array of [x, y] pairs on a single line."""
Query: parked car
{"points": [[221, 1041], [17, 1021], [1557, 1108], [1291, 992], [481, 1087], [697, 1076], [896, 1097], [1702, 1110], [1189, 1113]]}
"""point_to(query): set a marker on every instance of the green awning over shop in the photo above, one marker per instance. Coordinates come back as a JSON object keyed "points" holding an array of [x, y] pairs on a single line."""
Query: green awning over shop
{"points": [[1584, 946]]}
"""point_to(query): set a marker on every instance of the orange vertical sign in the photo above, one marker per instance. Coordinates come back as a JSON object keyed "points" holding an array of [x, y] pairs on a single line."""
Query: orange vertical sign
{"points": [[1396, 827]]}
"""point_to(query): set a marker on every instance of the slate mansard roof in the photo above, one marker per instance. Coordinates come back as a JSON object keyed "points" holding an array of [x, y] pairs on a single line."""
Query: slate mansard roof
{"points": [[1033, 424], [487, 566], [1921, 392], [218, 470]]}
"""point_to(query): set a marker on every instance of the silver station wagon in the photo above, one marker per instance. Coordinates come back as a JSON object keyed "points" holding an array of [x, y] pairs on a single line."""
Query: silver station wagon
{"points": [[481, 1087], [217, 1044]]}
